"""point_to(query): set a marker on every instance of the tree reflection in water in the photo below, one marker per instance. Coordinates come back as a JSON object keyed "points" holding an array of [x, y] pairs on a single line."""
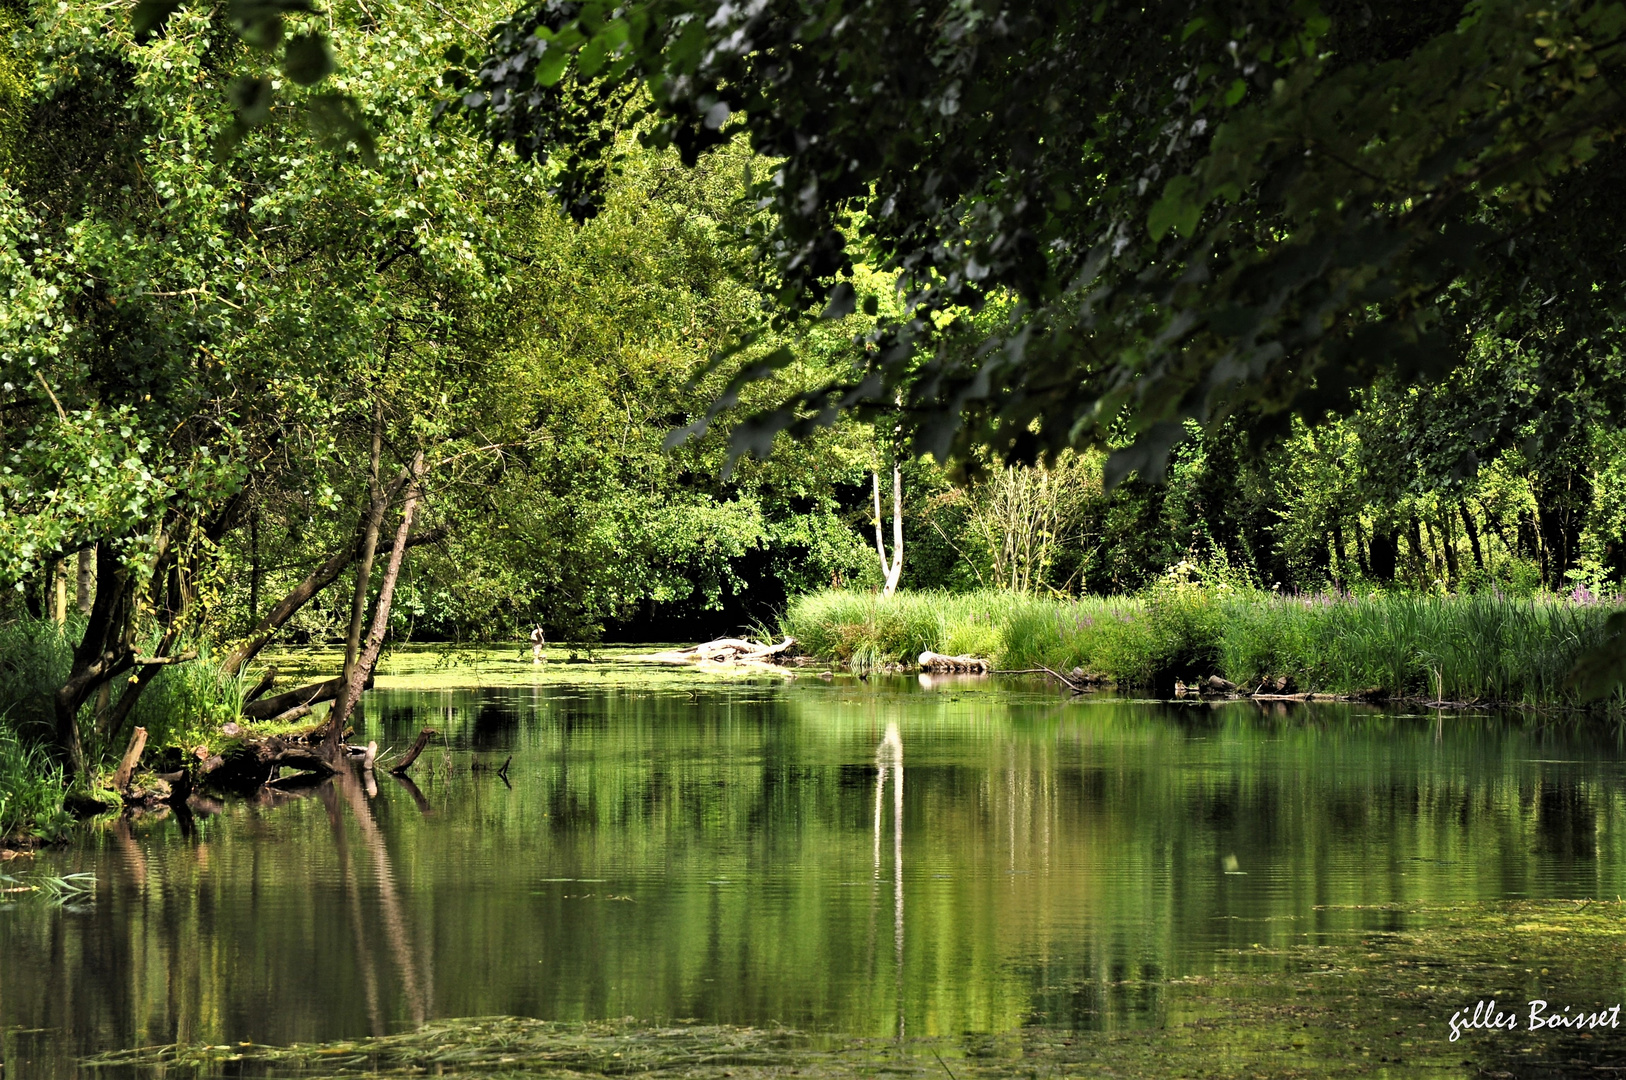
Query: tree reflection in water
{"points": [[889, 755]]}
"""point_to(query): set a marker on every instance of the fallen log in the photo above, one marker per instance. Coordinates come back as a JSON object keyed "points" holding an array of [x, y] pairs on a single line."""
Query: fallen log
{"points": [[417, 747], [276, 704], [262, 687], [723, 650], [298, 712], [931, 661], [248, 765]]}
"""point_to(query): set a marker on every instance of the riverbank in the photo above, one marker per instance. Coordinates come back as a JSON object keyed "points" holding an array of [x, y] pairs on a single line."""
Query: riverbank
{"points": [[1478, 648]]}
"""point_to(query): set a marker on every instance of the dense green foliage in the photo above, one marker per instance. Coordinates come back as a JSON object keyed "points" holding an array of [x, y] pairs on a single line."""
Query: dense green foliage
{"points": [[1110, 218]]}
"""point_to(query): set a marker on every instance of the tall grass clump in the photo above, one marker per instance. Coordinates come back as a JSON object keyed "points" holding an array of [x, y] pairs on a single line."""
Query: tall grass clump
{"points": [[1480, 647], [181, 706], [30, 789], [35, 655]]}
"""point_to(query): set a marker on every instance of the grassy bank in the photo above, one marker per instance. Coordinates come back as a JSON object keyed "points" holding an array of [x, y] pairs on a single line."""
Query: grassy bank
{"points": [[1461, 648]]}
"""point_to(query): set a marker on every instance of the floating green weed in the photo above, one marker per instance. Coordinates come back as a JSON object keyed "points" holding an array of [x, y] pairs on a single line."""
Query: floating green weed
{"points": [[1372, 1001]]}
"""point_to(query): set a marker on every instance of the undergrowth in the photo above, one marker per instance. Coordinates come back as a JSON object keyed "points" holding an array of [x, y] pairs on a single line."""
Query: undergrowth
{"points": [[183, 706]]}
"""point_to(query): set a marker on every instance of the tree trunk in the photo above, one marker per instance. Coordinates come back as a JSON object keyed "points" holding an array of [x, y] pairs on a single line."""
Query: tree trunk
{"points": [[372, 520], [1561, 511], [112, 721], [362, 671], [301, 594], [891, 570], [1418, 555], [104, 653], [897, 532], [86, 583], [1385, 548], [59, 592], [132, 755], [880, 534], [1472, 530], [1448, 540], [1436, 551], [254, 566]]}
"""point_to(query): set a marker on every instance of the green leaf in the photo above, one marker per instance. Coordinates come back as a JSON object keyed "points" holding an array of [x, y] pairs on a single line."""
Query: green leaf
{"points": [[307, 60], [149, 17], [843, 301], [252, 95], [592, 55], [337, 118], [551, 68], [259, 22], [1176, 211]]}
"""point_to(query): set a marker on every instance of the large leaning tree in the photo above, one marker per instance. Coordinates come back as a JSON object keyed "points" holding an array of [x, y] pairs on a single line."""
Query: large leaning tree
{"points": [[218, 303], [1109, 219]]}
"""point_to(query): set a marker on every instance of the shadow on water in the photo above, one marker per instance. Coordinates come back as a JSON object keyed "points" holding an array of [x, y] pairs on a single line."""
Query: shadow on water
{"points": [[1061, 884]]}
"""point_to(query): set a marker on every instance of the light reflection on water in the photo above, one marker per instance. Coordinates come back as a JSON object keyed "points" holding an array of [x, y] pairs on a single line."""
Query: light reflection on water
{"points": [[758, 853]]}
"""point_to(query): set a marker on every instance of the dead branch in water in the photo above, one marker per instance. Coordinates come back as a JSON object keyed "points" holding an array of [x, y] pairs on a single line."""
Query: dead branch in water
{"points": [[417, 747], [1064, 680]]}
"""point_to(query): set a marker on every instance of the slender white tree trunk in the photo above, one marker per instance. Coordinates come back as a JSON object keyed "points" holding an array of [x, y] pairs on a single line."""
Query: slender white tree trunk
{"points": [[897, 532], [891, 569]]}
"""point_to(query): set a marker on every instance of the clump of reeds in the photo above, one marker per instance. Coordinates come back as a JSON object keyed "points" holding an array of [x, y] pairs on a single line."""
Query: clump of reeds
{"points": [[1481, 647], [30, 789]]}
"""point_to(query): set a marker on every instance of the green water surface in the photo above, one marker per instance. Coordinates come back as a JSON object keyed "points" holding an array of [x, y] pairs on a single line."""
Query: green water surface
{"points": [[963, 860]]}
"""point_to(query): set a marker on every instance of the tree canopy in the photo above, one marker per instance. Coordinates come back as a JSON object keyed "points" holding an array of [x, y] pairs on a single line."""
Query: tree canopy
{"points": [[1107, 219]]}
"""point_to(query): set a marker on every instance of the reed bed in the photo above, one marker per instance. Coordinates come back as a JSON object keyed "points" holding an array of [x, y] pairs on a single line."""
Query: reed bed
{"points": [[1472, 648]]}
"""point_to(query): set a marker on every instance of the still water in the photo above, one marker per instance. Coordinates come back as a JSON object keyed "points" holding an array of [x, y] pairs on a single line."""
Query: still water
{"points": [[896, 857]]}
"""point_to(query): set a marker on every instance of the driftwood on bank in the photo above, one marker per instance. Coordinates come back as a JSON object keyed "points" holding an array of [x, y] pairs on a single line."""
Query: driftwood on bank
{"points": [[931, 661], [724, 651]]}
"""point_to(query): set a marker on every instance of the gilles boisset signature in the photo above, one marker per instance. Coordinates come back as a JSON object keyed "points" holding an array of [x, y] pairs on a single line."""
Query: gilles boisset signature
{"points": [[1488, 1015]]}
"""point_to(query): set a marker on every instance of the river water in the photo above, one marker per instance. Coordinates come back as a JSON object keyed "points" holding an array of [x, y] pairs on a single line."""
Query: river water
{"points": [[898, 857]]}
